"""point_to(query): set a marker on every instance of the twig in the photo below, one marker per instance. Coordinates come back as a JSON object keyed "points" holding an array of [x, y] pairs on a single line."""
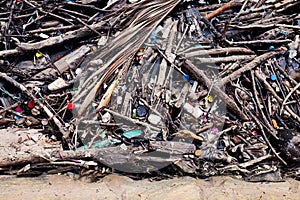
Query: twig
{"points": [[265, 137], [241, 10], [52, 29], [80, 163], [247, 164], [288, 96], [56, 16], [12, 7], [260, 109], [221, 51], [259, 3], [256, 61], [225, 59], [9, 108], [86, 6], [76, 34], [211, 27], [269, 87], [74, 12], [259, 42], [62, 129], [214, 140], [6, 53], [85, 24], [204, 79], [223, 8]]}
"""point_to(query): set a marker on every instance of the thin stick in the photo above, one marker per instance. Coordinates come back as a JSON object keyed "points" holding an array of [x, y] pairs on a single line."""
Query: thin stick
{"points": [[223, 8], [76, 34], [85, 24], [13, 3], [52, 29], [226, 51], [260, 3], [204, 79], [259, 42], [265, 137], [241, 10], [269, 87], [62, 129], [288, 96], [225, 59], [259, 108], [256, 61], [183, 35]]}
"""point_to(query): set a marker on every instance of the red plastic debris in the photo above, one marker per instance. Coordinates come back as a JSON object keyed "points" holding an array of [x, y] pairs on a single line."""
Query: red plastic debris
{"points": [[71, 106], [30, 104], [255, 133]]}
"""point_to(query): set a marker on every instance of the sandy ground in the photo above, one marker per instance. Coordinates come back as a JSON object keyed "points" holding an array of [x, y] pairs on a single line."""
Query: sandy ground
{"points": [[120, 187]]}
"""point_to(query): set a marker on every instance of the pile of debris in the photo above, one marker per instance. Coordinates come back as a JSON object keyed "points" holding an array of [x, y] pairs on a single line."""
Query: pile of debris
{"points": [[207, 87]]}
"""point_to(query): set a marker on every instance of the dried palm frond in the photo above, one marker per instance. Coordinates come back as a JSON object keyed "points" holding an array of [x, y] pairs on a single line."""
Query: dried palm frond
{"points": [[141, 20]]}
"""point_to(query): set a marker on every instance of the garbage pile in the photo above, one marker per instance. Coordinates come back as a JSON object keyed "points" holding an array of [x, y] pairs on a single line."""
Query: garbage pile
{"points": [[207, 87]]}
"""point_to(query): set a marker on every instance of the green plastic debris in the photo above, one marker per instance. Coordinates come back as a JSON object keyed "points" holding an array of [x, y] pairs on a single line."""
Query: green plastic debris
{"points": [[105, 143], [132, 133], [101, 144]]}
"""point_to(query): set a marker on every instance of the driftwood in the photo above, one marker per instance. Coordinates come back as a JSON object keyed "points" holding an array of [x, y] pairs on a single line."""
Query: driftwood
{"points": [[20, 147], [210, 88]]}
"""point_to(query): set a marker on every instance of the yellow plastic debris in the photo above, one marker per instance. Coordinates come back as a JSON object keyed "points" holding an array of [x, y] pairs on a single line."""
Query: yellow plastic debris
{"points": [[198, 152], [38, 54], [210, 99], [274, 122]]}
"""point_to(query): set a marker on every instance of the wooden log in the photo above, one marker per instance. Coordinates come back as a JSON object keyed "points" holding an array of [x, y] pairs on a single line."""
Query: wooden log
{"points": [[23, 146]]}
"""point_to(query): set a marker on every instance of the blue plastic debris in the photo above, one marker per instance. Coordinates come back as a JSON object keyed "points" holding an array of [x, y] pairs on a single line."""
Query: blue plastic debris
{"points": [[132, 133], [273, 77], [153, 38], [283, 32], [154, 34], [221, 145], [198, 45], [282, 76], [282, 62], [271, 48], [141, 111], [186, 77], [189, 21], [17, 117]]}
